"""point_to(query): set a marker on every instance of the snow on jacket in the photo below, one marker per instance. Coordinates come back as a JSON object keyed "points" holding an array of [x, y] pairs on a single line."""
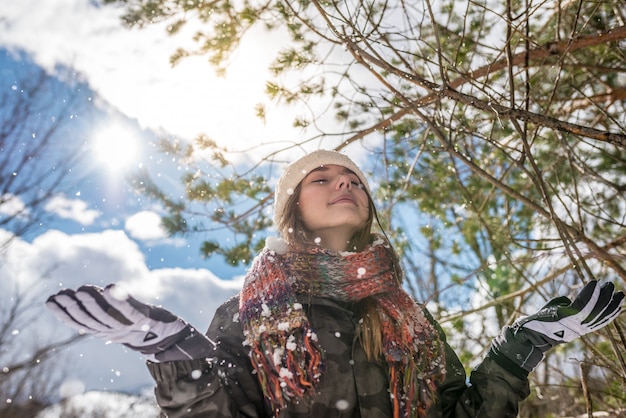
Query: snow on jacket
{"points": [[353, 387]]}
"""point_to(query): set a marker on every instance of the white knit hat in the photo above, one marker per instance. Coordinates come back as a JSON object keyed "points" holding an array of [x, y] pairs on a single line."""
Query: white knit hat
{"points": [[296, 171]]}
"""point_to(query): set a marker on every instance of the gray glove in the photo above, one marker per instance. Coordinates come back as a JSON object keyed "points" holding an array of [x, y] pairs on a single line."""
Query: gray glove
{"points": [[524, 343], [113, 315]]}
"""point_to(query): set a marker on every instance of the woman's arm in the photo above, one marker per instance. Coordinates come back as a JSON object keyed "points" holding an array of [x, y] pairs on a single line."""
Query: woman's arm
{"points": [[492, 390], [220, 386], [500, 382]]}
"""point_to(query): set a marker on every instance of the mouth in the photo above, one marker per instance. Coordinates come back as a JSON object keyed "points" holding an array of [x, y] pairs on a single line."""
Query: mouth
{"points": [[343, 199]]}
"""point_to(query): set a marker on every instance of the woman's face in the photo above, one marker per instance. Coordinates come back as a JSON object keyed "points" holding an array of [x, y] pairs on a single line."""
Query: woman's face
{"points": [[333, 205]]}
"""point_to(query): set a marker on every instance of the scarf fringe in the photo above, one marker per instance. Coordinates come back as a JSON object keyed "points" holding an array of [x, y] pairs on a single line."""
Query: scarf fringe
{"points": [[405, 380], [291, 372]]}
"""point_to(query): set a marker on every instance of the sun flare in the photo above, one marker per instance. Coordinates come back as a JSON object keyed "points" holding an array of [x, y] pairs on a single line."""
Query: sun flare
{"points": [[115, 147]]}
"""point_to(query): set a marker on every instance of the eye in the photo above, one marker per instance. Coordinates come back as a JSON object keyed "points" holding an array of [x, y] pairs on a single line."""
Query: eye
{"points": [[355, 181]]}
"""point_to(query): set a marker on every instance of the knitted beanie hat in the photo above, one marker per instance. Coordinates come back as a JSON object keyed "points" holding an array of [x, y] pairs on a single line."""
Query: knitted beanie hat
{"points": [[296, 171]]}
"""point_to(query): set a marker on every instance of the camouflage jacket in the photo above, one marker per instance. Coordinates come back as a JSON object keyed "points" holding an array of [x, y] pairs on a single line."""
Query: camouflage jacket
{"points": [[225, 385]]}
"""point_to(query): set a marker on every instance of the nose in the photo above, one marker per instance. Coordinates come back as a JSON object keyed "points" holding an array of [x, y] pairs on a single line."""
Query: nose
{"points": [[343, 181]]}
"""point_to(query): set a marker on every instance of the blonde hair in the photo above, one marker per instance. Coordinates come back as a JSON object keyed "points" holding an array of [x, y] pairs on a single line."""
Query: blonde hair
{"points": [[295, 233]]}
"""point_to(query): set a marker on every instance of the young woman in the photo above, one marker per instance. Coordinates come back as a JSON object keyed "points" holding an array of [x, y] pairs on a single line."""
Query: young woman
{"points": [[322, 326]]}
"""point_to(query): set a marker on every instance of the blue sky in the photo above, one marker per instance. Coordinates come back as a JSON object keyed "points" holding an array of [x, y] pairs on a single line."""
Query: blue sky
{"points": [[98, 230]]}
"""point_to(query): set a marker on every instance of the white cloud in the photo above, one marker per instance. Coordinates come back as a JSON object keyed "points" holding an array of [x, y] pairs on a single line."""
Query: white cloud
{"points": [[55, 260], [12, 205], [145, 225], [74, 209]]}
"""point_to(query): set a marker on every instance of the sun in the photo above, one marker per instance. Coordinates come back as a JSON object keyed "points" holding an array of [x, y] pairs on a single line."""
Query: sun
{"points": [[115, 146]]}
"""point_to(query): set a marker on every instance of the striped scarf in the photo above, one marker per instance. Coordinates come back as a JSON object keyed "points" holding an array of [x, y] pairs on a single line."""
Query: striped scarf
{"points": [[284, 348]]}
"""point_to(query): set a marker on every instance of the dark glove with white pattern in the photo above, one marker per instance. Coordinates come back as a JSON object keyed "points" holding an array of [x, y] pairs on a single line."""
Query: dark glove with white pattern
{"points": [[115, 316], [559, 321]]}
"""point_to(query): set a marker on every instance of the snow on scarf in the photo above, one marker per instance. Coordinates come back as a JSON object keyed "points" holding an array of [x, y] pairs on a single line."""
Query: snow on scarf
{"points": [[284, 348]]}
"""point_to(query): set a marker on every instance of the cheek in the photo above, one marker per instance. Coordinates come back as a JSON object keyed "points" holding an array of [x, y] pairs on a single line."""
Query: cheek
{"points": [[307, 199], [303, 208], [364, 202]]}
